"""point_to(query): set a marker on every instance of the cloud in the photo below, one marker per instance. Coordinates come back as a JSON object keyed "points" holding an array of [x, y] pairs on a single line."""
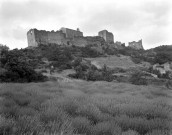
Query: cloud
{"points": [[29, 11], [111, 17], [17, 17], [128, 20]]}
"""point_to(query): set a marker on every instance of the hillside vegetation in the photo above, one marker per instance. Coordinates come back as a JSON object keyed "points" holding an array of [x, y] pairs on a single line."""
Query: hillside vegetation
{"points": [[88, 92], [80, 107]]}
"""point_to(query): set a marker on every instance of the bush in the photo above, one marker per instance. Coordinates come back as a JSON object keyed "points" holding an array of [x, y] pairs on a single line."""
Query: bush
{"points": [[138, 78], [28, 125], [106, 128], [18, 69], [81, 125], [6, 126], [56, 128], [90, 111], [136, 60], [141, 125], [85, 70], [163, 57], [159, 132], [130, 132]]}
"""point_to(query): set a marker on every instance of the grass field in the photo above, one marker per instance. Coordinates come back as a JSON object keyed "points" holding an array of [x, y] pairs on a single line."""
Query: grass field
{"points": [[114, 61], [88, 108]]}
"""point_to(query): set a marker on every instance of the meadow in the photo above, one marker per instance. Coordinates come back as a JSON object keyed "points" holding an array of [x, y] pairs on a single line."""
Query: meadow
{"points": [[84, 108]]}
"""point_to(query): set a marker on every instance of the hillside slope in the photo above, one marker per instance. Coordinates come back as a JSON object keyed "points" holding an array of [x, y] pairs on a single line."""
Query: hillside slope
{"points": [[114, 61]]}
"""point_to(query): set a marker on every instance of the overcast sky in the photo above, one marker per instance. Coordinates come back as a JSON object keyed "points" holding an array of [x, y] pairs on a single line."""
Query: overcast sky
{"points": [[128, 20]]}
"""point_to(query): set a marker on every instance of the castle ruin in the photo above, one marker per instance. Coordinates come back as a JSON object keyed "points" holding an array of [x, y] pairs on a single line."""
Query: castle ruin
{"points": [[108, 36], [66, 36], [136, 45]]}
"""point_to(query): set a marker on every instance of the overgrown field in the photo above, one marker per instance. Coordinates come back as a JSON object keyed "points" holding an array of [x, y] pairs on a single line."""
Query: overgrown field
{"points": [[88, 108]]}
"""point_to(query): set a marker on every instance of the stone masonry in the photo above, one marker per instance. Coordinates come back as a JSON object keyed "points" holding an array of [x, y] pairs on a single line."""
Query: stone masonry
{"points": [[66, 36], [108, 36], [63, 36], [136, 45]]}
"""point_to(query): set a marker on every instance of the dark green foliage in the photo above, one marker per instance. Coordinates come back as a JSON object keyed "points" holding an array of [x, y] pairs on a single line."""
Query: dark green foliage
{"points": [[162, 54], [89, 114], [85, 70], [138, 78], [163, 57], [18, 68], [81, 125], [89, 52], [136, 60], [106, 128]]}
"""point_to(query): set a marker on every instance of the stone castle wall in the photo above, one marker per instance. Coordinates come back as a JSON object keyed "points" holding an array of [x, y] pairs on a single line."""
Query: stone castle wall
{"points": [[71, 33], [108, 36], [36, 37], [64, 36], [67, 36], [31, 38], [79, 41], [56, 37], [136, 45]]}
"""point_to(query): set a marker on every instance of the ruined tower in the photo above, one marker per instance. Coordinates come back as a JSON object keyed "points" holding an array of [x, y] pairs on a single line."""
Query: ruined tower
{"points": [[136, 45], [71, 33], [108, 36]]}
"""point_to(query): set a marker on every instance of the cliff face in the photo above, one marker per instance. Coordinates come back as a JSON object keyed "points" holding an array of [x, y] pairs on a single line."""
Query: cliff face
{"points": [[136, 45]]}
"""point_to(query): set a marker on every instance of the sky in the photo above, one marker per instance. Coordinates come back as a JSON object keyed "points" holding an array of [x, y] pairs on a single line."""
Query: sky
{"points": [[128, 20]]}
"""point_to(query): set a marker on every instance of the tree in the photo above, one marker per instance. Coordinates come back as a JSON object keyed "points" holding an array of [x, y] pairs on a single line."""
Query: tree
{"points": [[163, 57], [18, 69]]}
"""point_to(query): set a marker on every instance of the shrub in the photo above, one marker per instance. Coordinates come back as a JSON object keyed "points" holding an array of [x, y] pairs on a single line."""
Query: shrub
{"points": [[90, 111], [81, 125], [6, 126], [163, 57], [106, 128], [141, 125], [136, 60], [54, 127], [18, 69], [130, 132], [159, 132], [70, 106], [84, 70], [28, 125], [138, 78], [53, 114]]}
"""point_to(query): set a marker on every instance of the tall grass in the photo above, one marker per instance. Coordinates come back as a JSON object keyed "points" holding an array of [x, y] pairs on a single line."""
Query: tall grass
{"points": [[35, 109]]}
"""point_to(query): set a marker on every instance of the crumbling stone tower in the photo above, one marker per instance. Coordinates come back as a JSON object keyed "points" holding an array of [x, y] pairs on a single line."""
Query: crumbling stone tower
{"points": [[36, 37], [71, 33], [136, 45], [108, 36]]}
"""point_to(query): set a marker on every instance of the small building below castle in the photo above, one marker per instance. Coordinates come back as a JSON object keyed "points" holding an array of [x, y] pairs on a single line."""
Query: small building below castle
{"points": [[136, 45]]}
